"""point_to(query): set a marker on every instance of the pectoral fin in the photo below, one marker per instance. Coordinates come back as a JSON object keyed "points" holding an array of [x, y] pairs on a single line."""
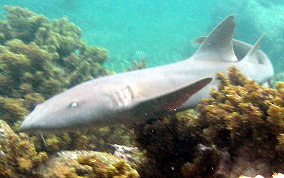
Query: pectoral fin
{"points": [[173, 99]]}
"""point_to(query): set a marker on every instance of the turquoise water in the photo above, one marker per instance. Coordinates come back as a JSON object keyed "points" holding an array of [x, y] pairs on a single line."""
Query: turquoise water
{"points": [[163, 30]]}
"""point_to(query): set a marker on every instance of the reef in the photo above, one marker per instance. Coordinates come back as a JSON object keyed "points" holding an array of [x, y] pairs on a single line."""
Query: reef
{"points": [[92, 139], [19, 158], [237, 131], [42, 60], [85, 164], [246, 120], [175, 147]]}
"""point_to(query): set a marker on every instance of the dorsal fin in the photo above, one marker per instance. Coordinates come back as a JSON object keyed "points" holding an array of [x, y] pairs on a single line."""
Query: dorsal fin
{"points": [[252, 54], [219, 42]]}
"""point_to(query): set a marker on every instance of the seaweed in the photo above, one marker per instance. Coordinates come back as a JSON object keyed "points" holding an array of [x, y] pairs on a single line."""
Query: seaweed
{"points": [[41, 61], [172, 142], [19, 158], [246, 119], [237, 131], [18, 154]]}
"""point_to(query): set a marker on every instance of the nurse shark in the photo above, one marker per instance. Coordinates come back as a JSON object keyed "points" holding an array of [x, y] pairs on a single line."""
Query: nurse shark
{"points": [[136, 95]]}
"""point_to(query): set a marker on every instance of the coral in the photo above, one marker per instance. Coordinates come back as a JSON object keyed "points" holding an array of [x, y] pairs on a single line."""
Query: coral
{"points": [[18, 156], [244, 117]]}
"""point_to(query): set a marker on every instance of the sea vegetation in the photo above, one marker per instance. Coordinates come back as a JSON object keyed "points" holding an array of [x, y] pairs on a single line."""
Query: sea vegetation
{"points": [[79, 164], [237, 131], [40, 58], [92, 139], [175, 147], [246, 119], [19, 158]]}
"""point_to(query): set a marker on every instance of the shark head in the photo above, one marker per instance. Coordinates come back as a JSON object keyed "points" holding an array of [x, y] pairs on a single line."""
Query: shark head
{"points": [[81, 106]]}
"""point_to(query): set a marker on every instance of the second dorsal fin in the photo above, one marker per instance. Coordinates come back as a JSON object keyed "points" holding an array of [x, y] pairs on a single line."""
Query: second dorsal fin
{"points": [[252, 54], [219, 42]]}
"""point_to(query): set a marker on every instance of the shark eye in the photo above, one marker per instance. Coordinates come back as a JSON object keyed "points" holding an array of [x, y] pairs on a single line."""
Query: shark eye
{"points": [[74, 105]]}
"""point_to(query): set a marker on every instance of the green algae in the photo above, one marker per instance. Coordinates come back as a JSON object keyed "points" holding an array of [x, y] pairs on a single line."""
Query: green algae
{"points": [[18, 156], [81, 164], [46, 58], [170, 141], [246, 119], [238, 130]]}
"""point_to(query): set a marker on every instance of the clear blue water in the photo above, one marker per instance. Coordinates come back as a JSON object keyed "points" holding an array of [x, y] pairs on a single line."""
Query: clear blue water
{"points": [[162, 30]]}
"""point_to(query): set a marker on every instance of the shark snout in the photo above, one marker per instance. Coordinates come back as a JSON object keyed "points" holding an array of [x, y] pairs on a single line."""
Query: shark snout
{"points": [[24, 128], [27, 125], [30, 125]]}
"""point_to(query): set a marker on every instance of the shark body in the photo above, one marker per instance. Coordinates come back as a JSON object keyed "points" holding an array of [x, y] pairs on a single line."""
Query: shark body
{"points": [[133, 96]]}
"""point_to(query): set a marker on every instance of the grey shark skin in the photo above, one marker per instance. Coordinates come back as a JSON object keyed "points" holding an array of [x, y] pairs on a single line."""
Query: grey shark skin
{"points": [[132, 96], [107, 101]]}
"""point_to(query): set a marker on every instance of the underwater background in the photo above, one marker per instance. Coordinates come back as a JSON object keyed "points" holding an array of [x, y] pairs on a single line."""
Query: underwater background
{"points": [[162, 31], [49, 46]]}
